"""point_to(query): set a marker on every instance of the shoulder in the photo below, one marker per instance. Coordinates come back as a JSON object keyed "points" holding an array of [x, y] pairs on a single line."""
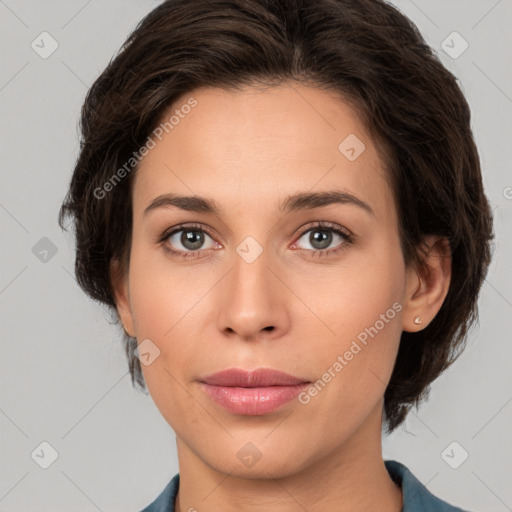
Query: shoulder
{"points": [[165, 500], [417, 498]]}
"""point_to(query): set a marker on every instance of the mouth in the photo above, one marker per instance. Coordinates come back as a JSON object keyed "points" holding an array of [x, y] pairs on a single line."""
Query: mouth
{"points": [[252, 393]]}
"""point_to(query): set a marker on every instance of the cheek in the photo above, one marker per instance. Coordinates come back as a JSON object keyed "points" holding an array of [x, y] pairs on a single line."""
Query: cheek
{"points": [[162, 306], [362, 305], [162, 294], [355, 295], [167, 304]]}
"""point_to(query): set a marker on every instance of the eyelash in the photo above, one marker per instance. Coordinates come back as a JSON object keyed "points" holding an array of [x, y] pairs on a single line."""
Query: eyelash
{"points": [[319, 226]]}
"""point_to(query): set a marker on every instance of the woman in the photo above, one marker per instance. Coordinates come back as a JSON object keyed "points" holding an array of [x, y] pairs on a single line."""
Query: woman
{"points": [[282, 202]]}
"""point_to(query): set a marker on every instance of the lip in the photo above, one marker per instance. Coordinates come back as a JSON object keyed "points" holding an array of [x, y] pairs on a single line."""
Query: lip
{"points": [[261, 377], [252, 393]]}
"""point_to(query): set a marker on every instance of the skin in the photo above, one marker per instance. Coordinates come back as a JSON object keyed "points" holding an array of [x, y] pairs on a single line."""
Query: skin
{"points": [[289, 310]]}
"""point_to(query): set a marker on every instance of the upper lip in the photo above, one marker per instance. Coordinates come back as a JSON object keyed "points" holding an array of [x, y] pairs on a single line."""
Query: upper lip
{"points": [[260, 377]]}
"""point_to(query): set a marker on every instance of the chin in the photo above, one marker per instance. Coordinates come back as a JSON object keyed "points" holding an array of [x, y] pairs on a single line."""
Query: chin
{"points": [[281, 466]]}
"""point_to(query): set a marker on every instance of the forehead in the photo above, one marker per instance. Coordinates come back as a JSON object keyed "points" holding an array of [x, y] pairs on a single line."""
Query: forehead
{"points": [[239, 146]]}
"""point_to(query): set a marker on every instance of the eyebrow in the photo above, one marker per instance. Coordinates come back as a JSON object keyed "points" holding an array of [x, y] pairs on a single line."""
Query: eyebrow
{"points": [[295, 202]]}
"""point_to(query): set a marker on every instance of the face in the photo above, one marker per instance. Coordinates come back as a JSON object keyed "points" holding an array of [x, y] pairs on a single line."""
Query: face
{"points": [[265, 275]]}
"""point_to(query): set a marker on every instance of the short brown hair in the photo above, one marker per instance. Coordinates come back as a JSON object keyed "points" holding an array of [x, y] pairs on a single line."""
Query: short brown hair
{"points": [[369, 53]]}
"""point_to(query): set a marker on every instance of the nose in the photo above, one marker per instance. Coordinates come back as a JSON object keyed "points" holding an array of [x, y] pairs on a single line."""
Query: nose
{"points": [[253, 301]]}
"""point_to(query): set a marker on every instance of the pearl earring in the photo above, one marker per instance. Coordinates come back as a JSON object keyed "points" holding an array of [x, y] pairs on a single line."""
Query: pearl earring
{"points": [[417, 320]]}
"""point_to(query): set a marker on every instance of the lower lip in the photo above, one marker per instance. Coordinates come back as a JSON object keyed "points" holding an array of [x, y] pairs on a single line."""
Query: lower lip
{"points": [[252, 401]]}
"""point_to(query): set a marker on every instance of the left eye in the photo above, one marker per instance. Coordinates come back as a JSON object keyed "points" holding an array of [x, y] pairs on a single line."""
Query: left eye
{"points": [[322, 237]]}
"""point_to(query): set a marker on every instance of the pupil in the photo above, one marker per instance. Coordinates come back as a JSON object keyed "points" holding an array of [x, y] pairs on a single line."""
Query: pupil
{"points": [[324, 239], [192, 239]]}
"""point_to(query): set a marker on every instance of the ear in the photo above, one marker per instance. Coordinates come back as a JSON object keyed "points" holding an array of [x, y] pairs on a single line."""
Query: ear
{"points": [[120, 287], [427, 284]]}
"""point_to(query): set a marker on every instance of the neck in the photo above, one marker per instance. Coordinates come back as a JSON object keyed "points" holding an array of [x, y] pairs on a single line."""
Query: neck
{"points": [[351, 477]]}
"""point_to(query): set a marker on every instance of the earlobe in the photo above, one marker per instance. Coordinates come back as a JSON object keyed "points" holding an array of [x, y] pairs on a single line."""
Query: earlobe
{"points": [[120, 288], [427, 284]]}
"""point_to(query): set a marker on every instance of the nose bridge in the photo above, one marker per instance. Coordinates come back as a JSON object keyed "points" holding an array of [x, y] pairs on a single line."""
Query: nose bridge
{"points": [[252, 298]]}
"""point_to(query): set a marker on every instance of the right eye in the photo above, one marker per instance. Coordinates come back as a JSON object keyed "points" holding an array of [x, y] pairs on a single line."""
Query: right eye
{"points": [[191, 238]]}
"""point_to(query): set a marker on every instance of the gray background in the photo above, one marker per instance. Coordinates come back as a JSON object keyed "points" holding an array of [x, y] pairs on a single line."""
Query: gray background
{"points": [[63, 374]]}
